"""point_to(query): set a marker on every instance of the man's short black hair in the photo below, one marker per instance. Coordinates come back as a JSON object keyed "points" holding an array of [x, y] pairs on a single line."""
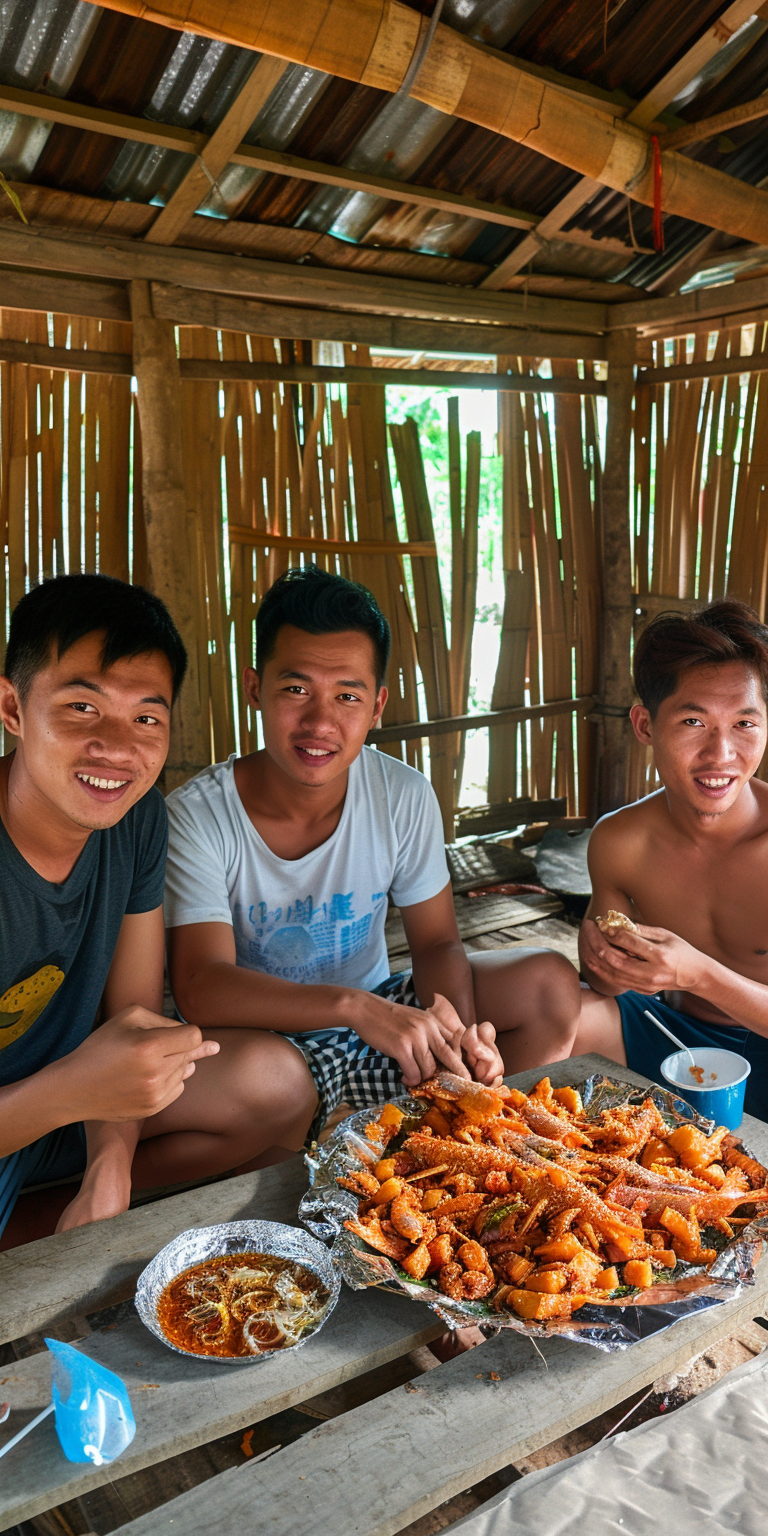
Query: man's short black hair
{"points": [[727, 630], [321, 604], [65, 609]]}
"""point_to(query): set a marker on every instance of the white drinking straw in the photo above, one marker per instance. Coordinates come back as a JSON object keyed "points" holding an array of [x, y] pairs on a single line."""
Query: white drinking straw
{"points": [[27, 1427], [669, 1034]]}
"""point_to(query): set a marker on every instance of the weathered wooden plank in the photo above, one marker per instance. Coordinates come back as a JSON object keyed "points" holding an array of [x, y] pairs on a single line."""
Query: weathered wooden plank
{"points": [[702, 303], [377, 1468], [384, 1464], [418, 728], [431, 378], [114, 257], [481, 915], [38, 354], [180, 1403], [91, 1267], [188, 306], [68, 295], [546, 933], [484, 820]]}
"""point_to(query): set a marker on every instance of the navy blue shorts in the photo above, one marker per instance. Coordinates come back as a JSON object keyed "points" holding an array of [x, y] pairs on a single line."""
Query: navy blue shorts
{"points": [[647, 1047], [59, 1155]]}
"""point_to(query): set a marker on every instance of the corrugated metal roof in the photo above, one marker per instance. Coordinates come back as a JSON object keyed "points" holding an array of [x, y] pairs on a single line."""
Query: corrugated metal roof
{"points": [[103, 58]]}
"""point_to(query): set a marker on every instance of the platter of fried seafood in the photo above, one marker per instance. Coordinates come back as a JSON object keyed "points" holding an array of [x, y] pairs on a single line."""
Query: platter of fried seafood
{"points": [[599, 1211], [238, 1291]]}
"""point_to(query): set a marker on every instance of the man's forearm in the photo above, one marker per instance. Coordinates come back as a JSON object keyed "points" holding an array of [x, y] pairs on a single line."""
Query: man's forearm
{"points": [[444, 968], [738, 997], [221, 995], [31, 1108]]}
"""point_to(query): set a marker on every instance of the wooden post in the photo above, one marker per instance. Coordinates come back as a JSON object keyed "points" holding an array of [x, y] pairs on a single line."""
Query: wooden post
{"points": [[172, 541], [615, 678]]}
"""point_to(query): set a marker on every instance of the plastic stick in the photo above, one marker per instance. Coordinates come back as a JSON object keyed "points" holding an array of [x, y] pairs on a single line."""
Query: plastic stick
{"points": [[27, 1427]]}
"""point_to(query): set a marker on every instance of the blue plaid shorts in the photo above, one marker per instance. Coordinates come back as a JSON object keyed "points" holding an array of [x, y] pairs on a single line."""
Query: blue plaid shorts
{"points": [[346, 1070]]}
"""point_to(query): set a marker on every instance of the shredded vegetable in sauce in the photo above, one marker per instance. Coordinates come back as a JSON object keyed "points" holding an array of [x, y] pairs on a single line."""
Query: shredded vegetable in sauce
{"points": [[241, 1304]]}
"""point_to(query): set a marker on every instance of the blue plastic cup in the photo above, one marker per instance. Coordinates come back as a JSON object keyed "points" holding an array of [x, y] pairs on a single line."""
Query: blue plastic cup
{"points": [[720, 1094]]}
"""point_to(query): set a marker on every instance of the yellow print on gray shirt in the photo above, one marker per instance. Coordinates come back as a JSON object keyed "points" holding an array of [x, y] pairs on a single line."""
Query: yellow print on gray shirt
{"points": [[24, 1002]]}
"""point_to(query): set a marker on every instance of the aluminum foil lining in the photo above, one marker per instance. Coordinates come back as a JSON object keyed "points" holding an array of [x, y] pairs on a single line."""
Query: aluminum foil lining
{"points": [[610, 1326], [201, 1243]]}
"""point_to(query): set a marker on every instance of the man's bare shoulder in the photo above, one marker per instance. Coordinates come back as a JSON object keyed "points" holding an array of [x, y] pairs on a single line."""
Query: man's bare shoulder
{"points": [[630, 825]]}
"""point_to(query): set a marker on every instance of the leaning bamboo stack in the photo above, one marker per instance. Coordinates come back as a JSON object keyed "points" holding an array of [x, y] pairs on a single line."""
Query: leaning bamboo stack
{"points": [[465, 515], [551, 622], [701, 492]]}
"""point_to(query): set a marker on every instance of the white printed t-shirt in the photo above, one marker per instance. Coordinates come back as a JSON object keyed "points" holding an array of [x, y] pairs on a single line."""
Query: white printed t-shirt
{"points": [[319, 918]]}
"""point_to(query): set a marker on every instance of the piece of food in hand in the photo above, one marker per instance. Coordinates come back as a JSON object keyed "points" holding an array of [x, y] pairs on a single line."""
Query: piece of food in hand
{"points": [[613, 922]]}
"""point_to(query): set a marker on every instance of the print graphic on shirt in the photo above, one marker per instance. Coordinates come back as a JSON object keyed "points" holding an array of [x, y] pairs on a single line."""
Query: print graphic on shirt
{"points": [[24, 1002], [306, 939]]}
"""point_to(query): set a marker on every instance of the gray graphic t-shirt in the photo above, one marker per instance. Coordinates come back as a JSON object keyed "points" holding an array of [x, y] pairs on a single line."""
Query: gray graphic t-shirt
{"points": [[320, 918], [57, 941]]}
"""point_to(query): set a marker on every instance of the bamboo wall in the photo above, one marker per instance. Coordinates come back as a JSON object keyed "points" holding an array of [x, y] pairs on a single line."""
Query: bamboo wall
{"points": [[551, 624], [700, 491], [311, 462]]}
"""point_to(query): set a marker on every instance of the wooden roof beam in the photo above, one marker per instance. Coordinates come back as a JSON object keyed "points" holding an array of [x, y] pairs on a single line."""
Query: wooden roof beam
{"points": [[114, 258], [211, 161], [221, 311], [196, 186], [723, 307], [53, 293], [211, 369], [373, 42], [643, 114], [720, 122]]}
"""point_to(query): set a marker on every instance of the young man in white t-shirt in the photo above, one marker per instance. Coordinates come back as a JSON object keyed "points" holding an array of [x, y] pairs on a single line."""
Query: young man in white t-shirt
{"points": [[280, 867]]}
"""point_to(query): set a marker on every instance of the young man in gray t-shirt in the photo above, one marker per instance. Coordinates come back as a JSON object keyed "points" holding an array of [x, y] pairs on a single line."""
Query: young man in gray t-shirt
{"points": [[279, 869], [94, 1081]]}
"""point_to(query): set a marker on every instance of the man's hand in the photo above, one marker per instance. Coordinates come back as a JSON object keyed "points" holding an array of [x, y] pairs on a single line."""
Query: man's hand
{"points": [[420, 1040], [481, 1054], [130, 1067], [649, 961]]}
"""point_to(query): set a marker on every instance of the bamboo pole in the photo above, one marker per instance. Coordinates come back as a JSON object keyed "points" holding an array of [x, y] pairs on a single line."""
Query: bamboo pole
{"points": [[615, 685], [169, 519], [460, 77]]}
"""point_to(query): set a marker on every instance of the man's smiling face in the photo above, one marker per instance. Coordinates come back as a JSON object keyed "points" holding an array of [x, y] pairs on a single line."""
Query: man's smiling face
{"points": [[319, 698], [709, 736], [92, 742]]}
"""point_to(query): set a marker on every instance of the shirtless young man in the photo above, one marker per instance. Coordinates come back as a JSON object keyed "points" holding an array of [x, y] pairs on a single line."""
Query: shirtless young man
{"points": [[689, 864], [279, 869]]}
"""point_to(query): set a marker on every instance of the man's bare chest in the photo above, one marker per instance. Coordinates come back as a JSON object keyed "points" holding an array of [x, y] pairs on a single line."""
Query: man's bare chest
{"points": [[720, 905]]}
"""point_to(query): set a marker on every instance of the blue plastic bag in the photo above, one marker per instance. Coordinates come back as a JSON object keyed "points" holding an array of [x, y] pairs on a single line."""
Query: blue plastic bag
{"points": [[94, 1418]]}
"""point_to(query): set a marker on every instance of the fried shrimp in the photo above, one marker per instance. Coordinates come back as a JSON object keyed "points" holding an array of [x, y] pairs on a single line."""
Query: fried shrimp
{"points": [[526, 1202]]}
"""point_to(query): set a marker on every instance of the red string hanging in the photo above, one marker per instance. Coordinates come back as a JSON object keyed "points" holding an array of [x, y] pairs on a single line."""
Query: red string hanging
{"points": [[658, 227]]}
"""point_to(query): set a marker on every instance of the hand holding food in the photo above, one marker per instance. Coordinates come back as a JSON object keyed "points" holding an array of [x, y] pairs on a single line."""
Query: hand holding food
{"points": [[420, 1040], [641, 959], [130, 1067]]}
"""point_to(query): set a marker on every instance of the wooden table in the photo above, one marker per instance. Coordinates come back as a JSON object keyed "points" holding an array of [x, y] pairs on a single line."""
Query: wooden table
{"points": [[375, 1468]]}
